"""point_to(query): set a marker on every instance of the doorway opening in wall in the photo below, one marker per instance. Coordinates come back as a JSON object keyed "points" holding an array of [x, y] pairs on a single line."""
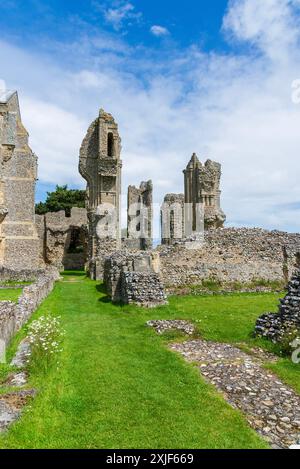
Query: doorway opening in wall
{"points": [[75, 253], [75, 245]]}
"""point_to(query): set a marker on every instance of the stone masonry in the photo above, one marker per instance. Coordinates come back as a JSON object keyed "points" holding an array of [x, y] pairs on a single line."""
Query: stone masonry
{"points": [[14, 315], [228, 255], [100, 165], [202, 186], [172, 218], [19, 243], [287, 320], [63, 240], [188, 214], [139, 216], [133, 278]]}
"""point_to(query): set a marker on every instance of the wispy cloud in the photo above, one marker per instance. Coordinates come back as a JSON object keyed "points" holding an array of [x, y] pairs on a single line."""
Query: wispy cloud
{"points": [[234, 108], [120, 14], [159, 31]]}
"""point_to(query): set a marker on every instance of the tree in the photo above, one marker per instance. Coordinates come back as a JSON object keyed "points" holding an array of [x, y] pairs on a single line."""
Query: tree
{"points": [[61, 199]]}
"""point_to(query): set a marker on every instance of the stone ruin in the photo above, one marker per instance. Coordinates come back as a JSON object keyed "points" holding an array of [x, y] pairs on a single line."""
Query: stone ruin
{"points": [[139, 217], [222, 255], [276, 326], [19, 242], [63, 240], [133, 278], [182, 214], [100, 165]]}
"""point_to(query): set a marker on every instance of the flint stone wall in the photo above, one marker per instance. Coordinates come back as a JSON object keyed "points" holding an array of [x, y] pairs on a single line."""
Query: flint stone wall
{"points": [[55, 236], [231, 255], [14, 315], [134, 278], [275, 326]]}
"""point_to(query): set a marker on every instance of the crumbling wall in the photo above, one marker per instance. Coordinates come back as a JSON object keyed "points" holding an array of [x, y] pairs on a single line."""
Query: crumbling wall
{"points": [[63, 240], [231, 255], [139, 216], [276, 326], [14, 315], [18, 172], [134, 278], [172, 219], [100, 165]]}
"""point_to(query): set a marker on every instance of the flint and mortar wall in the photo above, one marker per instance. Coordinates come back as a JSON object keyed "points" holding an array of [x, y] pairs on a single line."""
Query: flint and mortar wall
{"points": [[134, 278], [231, 255], [14, 315], [55, 236]]}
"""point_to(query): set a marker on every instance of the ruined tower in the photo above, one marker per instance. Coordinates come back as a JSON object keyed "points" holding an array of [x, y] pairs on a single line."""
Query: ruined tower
{"points": [[139, 216], [100, 165], [172, 218], [19, 243], [202, 185]]}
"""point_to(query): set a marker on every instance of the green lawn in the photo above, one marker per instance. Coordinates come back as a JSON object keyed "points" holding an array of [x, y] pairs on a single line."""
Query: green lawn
{"points": [[120, 387], [10, 294]]}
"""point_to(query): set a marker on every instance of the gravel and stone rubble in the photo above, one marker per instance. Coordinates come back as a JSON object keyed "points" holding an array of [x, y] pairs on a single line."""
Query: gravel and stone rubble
{"points": [[12, 403], [271, 407], [162, 326]]}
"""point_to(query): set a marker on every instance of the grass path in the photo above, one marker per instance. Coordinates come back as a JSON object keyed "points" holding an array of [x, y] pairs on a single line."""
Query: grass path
{"points": [[119, 387]]}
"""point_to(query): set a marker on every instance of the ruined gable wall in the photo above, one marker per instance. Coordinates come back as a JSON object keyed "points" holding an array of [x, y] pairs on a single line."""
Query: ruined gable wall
{"points": [[231, 255], [55, 232]]}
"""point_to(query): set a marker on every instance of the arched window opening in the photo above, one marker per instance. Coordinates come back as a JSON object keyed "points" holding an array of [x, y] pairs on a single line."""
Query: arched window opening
{"points": [[110, 145]]}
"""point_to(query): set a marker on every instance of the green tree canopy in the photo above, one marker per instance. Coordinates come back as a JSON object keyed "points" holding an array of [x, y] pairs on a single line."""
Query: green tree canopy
{"points": [[61, 199]]}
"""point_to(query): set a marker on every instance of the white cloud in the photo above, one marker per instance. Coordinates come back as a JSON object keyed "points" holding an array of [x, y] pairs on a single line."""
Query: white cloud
{"points": [[236, 109], [2, 85], [123, 13], [159, 31]]}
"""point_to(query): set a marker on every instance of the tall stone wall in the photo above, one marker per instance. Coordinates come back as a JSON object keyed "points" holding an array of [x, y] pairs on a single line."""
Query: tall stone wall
{"points": [[63, 240], [139, 216], [202, 186], [19, 243], [100, 165], [172, 219], [231, 255]]}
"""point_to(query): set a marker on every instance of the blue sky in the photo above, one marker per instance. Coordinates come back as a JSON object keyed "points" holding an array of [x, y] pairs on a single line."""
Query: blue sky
{"points": [[214, 77]]}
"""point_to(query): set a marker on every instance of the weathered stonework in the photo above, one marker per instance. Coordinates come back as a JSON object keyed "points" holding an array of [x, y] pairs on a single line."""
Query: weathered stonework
{"points": [[172, 218], [187, 215], [276, 326], [202, 186], [139, 216], [19, 244], [230, 255], [100, 165], [133, 278], [14, 315], [63, 240]]}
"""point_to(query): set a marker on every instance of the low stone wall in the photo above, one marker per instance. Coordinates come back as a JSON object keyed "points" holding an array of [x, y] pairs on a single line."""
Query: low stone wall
{"points": [[231, 255], [14, 315], [275, 326], [19, 275], [142, 289], [134, 278]]}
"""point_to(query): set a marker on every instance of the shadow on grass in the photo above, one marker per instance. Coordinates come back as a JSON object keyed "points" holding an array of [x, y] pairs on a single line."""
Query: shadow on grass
{"points": [[106, 299], [73, 273]]}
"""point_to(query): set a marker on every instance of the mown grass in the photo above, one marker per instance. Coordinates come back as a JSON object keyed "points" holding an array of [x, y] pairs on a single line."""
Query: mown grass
{"points": [[120, 387], [10, 294]]}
